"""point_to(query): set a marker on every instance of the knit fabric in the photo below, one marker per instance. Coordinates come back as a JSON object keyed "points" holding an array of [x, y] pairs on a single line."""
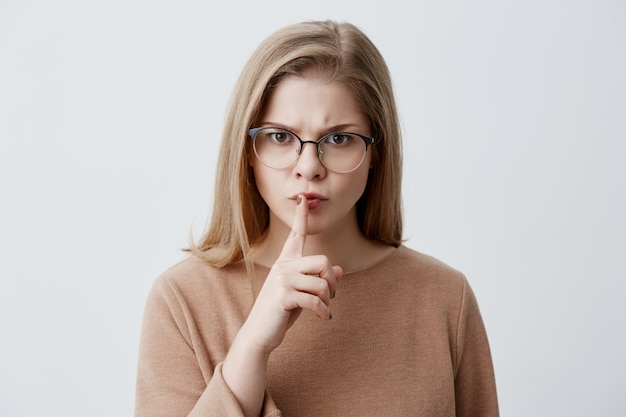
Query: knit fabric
{"points": [[406, 339]]}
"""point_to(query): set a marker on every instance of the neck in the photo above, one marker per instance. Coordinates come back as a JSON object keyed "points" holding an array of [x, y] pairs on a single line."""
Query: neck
{"points": [[344, 245]]}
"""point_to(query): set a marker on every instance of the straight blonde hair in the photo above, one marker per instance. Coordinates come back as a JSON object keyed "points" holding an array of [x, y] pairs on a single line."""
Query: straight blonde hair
{"points": [[342, 53]]}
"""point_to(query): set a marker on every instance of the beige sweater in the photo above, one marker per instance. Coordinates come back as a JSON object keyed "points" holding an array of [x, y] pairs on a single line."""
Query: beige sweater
{"points": [[406, 339]]}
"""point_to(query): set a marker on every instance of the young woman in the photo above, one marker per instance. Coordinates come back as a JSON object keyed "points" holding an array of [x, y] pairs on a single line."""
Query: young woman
{"points": [[300, 300]]}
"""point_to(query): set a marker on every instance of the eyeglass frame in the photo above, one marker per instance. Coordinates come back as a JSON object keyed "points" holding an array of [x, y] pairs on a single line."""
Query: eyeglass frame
{"points": [[252, 132]]}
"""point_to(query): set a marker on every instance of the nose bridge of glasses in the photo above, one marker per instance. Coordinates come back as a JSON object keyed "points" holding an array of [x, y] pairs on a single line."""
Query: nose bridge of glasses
{"points": [[316, 145]]}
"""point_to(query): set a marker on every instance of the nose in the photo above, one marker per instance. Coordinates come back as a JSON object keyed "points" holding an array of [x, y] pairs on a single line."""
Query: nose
{"points": [[308, 164]]}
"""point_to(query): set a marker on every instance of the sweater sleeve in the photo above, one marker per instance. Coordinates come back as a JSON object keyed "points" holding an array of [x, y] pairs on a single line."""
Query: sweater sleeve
{"points": [[475, 387], [170, 380]]}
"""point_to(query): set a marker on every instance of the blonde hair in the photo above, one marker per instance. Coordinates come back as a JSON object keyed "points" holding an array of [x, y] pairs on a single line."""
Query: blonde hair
{"points": [[344, 54]]}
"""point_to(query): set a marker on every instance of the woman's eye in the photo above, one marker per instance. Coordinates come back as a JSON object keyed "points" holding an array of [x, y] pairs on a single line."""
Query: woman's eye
{"points": [[339, 139], [280, 137]]}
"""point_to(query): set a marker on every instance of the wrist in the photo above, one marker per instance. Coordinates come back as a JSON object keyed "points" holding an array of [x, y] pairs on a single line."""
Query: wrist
{"points": [[245, 348], [244, 371]]}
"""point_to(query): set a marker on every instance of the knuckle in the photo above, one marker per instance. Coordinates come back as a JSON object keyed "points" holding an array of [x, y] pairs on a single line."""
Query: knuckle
{"points": [[282, 292], [279, 277], [316, 303], [323, 259]]}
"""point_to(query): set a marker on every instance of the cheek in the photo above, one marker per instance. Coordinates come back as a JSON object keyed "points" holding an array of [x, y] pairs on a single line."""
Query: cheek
{"points": [[265, 180], [355, 184]]}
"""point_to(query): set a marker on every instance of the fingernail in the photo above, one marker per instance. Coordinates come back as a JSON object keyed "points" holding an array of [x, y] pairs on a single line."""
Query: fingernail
{"points": [[299, 200]]}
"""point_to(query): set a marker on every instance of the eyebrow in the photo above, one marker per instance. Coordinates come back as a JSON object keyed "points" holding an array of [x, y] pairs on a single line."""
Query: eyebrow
{"points": [[343, 127]]}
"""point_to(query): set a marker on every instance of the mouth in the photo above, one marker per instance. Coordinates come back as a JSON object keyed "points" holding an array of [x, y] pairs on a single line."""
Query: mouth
{"points": [[313, 199]]}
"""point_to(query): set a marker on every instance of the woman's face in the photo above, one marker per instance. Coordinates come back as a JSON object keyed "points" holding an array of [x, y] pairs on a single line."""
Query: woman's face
{"points": [[311, 108]]}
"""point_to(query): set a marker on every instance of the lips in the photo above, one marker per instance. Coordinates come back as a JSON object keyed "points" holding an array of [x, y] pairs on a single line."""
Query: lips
{"points": [[313, 199]]}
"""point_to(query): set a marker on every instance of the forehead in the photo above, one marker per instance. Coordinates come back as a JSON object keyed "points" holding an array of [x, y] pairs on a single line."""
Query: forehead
{"points": [[312, 102]]}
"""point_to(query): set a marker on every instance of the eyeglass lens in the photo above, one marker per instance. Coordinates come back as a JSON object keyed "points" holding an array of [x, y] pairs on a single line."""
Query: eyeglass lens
{"points": [[339, 152]]}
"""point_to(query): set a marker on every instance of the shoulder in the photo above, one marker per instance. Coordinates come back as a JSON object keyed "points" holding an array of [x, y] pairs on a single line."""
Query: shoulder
{"points": [[193, 279], [436, 283], [425, 282], [424, 270], [411, 278]]}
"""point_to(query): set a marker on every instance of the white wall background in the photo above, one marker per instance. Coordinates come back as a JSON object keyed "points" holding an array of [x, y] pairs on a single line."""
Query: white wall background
{"points": [[514, 115]]}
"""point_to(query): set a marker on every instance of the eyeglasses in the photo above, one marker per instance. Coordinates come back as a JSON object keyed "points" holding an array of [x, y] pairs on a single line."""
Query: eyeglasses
{"points": [[340, 152]]}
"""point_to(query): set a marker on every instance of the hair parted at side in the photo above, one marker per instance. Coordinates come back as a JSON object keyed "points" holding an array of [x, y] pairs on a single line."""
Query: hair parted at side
{"points": [[344, 54]]}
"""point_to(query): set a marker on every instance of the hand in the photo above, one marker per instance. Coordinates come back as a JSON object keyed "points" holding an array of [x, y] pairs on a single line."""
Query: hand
{"points": [[294, 283]]}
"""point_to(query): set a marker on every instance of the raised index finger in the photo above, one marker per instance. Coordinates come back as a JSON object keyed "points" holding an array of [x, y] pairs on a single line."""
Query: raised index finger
{"points": [[294, 245]]}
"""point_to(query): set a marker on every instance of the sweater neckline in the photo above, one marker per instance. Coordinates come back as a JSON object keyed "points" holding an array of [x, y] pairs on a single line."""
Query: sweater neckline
{"points": [[367, 267]]}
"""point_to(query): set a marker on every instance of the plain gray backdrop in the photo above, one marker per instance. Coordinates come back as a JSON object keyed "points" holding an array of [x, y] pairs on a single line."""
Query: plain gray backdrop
{"points": [[514, 122]]}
